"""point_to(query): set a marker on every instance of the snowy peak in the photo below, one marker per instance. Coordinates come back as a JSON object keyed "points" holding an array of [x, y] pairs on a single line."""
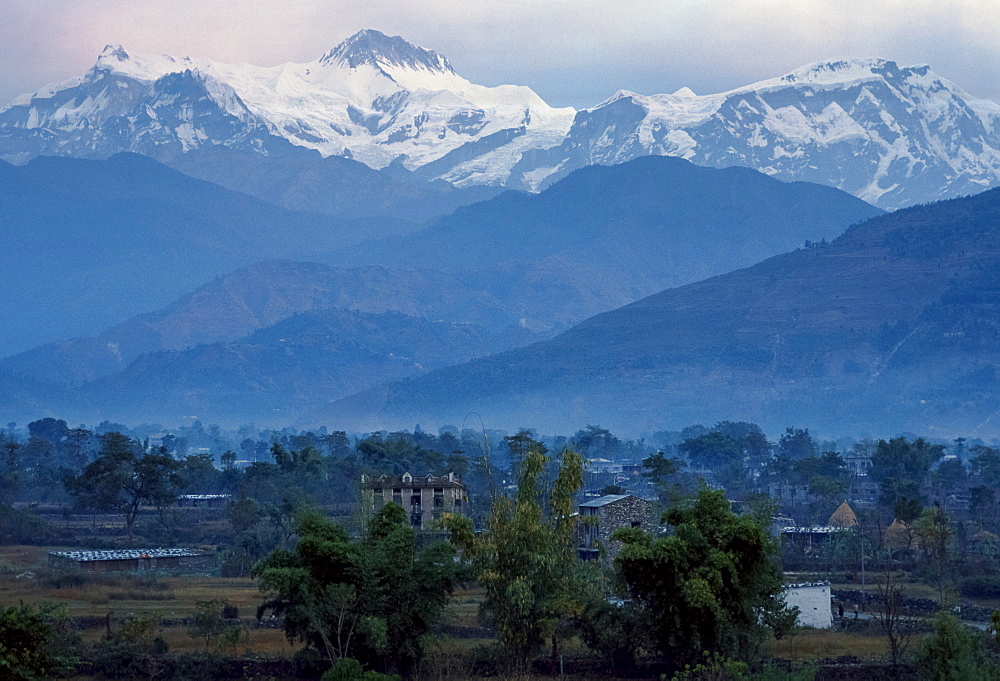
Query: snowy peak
{"points": [[378, 49], [113, 52], [840, 71], [892, 135]]}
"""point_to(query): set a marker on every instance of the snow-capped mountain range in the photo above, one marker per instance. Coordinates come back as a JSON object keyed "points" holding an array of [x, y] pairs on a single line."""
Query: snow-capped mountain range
{"points": [[891, 135], [374, 98]]}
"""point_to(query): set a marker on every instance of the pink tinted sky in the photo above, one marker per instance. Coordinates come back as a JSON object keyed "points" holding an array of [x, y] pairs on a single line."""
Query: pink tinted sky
{"points": [[572, 52]]}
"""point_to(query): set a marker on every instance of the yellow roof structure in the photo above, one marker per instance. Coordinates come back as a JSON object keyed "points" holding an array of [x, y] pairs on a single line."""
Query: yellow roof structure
{"points": [[843, 517], [899, 537]]}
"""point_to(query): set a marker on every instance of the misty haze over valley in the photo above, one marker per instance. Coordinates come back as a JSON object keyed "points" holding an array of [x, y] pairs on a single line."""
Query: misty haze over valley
{"points": [[182, 245]]}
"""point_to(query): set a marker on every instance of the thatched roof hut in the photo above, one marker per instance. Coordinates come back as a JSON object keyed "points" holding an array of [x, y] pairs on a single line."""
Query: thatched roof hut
{"points": [[843, 516], [899, 536]]}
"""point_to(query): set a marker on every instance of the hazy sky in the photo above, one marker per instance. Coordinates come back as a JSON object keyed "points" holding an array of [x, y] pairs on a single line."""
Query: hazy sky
{"points": [[572, 52]]}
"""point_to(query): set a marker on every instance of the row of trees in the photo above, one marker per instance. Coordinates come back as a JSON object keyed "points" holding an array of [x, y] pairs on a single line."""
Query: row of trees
{"points": [[711, 583]]}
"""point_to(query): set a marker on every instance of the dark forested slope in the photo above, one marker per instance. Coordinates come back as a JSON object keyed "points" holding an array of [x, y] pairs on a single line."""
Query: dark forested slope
{"points": [[895, 325]]}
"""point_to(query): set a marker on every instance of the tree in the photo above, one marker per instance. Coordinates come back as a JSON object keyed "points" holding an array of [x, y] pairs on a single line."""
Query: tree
{"points": [[953, 652], [935, 531], [122, 478], [208, 622], [889, 615], [658, 467], [34, 643], [796, 443], [136, 649], [527, 560], [711, 450], [520, 445], [985, 465], [903, 460], [713, 585], [372, 600], [983, 504]]}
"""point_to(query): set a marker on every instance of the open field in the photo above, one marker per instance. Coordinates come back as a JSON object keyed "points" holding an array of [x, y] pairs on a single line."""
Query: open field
{"points": [[118, 593], [24, 576], [813, 644]]}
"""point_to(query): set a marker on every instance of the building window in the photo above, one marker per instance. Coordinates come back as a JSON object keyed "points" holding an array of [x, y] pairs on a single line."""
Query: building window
{"points": [[458, 504], [415, 501], [415, 520]]}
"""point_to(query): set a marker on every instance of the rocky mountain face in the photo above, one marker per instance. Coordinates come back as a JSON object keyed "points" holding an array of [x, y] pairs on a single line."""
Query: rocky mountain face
{"points": [[892, 326], [892, 135], [374, 98]]}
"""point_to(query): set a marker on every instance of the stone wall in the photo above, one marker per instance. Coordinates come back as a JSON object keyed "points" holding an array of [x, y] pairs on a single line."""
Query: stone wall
{"points": [[622, 513]]}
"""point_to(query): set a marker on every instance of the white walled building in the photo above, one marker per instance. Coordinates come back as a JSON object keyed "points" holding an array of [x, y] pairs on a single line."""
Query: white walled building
{"points": [[813, 601]]}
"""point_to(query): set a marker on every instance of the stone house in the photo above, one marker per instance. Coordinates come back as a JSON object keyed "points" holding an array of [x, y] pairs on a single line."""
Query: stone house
{"points": [[599, 518], [424, 498]]}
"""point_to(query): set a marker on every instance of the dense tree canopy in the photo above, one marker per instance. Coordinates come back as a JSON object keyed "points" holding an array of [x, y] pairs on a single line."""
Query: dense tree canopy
{"points": [[713, 585], [123, 478], [371, 600]]}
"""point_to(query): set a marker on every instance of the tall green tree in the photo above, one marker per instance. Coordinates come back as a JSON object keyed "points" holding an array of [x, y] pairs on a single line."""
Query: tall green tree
{"points": [[527, 560], [954, 652], [713, 585]]}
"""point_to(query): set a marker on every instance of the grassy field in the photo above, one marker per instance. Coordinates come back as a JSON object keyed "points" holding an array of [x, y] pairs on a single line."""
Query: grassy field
{"points": [[813, 644], [24, 576]]}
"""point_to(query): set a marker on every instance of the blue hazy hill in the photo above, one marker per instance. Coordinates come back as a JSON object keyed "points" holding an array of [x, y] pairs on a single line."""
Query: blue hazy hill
{"points": [[891, 327], [90, 243]]}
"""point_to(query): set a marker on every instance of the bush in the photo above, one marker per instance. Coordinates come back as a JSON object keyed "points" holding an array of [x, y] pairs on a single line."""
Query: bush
{"points": [[135, 650], [35, 642], [981, 586], [347, 669], [24, 526], [953, 651]]}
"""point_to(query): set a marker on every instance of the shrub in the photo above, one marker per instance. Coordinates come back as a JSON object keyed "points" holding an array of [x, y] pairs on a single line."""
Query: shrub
{"points": [[954, 651], [348, 669], [981, 586]]}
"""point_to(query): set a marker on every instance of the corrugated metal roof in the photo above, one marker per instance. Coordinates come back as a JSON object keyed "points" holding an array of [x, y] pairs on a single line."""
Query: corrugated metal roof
{"points": [[604, 501], [125, 554]]}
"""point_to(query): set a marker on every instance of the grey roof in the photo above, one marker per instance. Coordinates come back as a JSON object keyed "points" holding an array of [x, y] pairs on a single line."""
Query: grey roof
{"points": [[125, 554], [804, 585], [816, 529], [604, 501]]}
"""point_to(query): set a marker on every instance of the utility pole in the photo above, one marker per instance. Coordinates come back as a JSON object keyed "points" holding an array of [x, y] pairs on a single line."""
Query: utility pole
{"points": [[863, 592]]}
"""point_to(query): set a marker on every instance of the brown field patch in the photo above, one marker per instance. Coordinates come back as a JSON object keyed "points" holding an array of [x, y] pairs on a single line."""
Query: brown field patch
{"points": [[812, 644]]}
